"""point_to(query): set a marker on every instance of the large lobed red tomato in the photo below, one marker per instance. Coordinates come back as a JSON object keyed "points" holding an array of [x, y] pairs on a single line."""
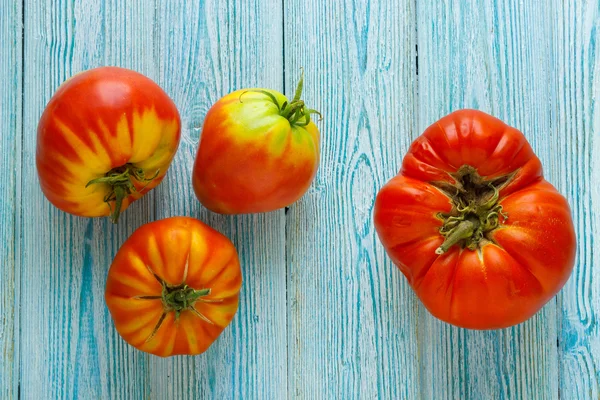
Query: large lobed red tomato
{"points": [[258, 152], [483, 239], [107, 137]]}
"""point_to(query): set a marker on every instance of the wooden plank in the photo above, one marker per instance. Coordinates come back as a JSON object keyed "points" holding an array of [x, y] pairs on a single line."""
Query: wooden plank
{"points": [[577, 121], [69, 348], [206, 50], [497, 56], [352, 327], [11, 68]]}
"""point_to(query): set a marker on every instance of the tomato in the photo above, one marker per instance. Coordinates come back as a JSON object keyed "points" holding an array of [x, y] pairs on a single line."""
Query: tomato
{"points": [[107, 137], [258, 152], [173, 287], [482, 238]]}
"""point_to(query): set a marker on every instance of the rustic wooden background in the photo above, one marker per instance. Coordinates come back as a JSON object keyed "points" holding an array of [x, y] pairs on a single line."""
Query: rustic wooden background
{"points": [[323, 312]]}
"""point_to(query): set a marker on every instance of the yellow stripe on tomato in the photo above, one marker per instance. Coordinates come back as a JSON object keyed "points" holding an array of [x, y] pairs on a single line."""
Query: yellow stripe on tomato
{"points": [[147, 134], [90, 159]]}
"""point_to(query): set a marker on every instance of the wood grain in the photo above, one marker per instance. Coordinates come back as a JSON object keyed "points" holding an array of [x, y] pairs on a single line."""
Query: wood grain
{"points": [[69, 348], [11, 129], [206, 50], [323, 312], [502, 65], [352, 327], [577, 120]]}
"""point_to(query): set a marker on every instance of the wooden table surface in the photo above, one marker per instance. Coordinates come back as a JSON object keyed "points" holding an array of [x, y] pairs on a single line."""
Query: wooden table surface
{"points": [[323, 312]]}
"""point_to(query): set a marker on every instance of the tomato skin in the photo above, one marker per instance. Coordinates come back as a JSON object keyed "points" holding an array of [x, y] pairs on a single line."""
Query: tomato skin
{"points": [[99, 120], [251, 159], [520, 265], [177, 250]]}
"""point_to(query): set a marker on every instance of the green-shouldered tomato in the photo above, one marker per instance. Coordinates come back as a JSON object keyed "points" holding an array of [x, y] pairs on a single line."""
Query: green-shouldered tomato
{"points": [[258, 152]]}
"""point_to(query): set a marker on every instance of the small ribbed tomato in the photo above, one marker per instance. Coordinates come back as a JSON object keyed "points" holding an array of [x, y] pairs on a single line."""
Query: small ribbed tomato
{"points": [[107, 137], [173, 287], [483, 239], [258, 152]]}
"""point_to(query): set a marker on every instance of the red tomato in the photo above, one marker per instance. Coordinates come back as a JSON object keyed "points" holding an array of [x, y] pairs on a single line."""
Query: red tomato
{"points": [[470, 221], [258, 152], [107, 137], [173, 287]]}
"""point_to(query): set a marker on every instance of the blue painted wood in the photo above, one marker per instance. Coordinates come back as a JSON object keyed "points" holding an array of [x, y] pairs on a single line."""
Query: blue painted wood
{"points": [[69, 348], [323, 312], [353, 326], [577, 118], [502, 64], [11, 129], [206, 50], [75, 351]]}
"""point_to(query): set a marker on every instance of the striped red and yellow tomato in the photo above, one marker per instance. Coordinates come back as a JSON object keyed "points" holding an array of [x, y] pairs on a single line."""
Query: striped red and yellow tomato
{"points": [[107, 137], [173, 287], [258, 152]]}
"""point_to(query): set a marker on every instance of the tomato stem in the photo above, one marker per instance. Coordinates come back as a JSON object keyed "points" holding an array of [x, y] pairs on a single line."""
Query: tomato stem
{"points": [[300, 87], [270, 95], [177, 298], [121, 181], [464, 230], [294, 111], [476, 209], [181, 297]]}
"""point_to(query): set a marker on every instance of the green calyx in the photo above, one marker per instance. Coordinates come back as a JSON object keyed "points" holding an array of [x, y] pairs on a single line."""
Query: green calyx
{"points": [[177, 298], [295, 111], [476, 211], [121, 181], [182, 297]]}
